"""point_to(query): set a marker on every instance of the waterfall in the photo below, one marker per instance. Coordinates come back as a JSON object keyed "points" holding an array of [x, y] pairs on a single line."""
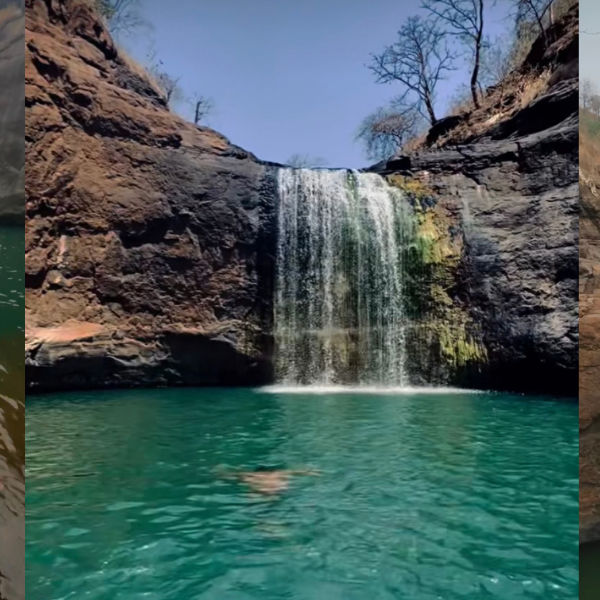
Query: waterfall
{"points": [[339, 300]]}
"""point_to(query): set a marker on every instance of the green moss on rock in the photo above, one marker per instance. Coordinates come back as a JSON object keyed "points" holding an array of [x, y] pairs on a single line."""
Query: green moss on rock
{"points": [[458, 348], [442, 333], [414, 188]]}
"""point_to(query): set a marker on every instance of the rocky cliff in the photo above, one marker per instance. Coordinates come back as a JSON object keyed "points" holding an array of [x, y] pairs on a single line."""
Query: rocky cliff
{"points": [[498, 306], [148, 255], [150, 242], [513, 203]]}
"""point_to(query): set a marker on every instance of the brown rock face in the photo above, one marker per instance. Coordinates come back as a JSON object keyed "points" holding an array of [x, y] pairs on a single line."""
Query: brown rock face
{"points": [[148, 240]]}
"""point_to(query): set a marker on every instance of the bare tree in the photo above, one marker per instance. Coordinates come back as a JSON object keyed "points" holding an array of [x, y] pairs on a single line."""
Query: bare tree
{"points": [[496, 61], [123, 16], [524, 35], [460, 101], [587, 92], [387, 129], [595, 105], [537, 11], [418, 60], [305, 161], [167, 83], [170, 86], [203, 106], [464, 19]]}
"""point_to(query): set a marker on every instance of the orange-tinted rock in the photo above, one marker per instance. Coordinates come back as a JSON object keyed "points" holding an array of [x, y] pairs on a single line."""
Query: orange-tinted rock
{"points": [[140, 225]]}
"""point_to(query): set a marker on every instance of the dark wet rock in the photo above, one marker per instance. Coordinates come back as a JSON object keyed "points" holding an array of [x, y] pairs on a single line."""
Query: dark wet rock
{"points": [[515, 203]]}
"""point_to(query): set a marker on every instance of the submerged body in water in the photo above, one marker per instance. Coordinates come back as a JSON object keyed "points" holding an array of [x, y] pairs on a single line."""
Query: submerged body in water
{"points": [[269, 481], [422, 496]]}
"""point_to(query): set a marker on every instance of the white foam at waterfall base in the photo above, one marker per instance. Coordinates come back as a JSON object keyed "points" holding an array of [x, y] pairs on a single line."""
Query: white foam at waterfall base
{"points": [[365, 389], [339, 315]]}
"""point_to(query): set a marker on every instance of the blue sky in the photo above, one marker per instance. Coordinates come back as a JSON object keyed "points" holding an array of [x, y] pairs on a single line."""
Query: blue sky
{"points": [[286, 76], [589, 46]]}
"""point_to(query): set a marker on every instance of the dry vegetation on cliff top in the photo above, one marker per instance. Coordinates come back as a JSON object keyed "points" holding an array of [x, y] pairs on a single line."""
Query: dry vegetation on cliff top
{"points": [[540, 71]]}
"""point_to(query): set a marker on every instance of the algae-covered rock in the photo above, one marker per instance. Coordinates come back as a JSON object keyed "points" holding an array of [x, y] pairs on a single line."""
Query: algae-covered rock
{"points": [[442, 339]]}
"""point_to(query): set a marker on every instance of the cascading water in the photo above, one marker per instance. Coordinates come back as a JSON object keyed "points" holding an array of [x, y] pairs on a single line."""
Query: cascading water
{"points": [[339, 305]]}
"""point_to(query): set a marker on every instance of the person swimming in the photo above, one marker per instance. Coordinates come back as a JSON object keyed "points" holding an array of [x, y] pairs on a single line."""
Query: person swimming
{"points": [[268, 480]]}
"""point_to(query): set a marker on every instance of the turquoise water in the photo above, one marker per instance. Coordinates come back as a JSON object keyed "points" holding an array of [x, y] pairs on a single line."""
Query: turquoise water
{"points": [[133, 494]]}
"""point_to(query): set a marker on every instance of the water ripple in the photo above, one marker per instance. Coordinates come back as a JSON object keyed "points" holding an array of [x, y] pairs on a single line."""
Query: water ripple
{"points": [[133, 495]]}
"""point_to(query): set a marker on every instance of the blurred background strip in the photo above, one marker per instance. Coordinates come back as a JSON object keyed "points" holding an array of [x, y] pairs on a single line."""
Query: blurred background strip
{"points": [[12, 208]]}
